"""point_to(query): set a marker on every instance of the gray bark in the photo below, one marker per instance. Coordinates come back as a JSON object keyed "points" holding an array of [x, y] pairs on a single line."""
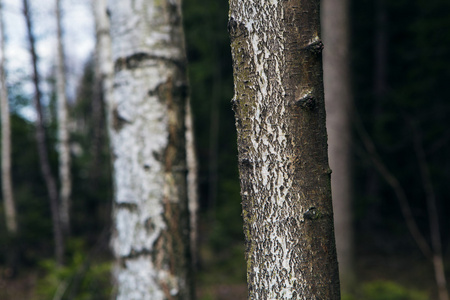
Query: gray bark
{"points": [[282, 144], [336, 63], [7, 188], [147, 119], [63, 131], [41, 141]]}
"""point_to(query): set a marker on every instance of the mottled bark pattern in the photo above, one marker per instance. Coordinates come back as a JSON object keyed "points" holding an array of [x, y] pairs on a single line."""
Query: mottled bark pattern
{"points": [[147, 109], [282, 143]]}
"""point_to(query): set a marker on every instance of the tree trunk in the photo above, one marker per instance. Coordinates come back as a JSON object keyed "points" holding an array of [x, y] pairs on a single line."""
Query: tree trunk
{"points": [[63, 131], [104, 67], [433, 216], [282, 144], [147, 119], [336, 65], [7, 188], [192, 180], [42, 143]]}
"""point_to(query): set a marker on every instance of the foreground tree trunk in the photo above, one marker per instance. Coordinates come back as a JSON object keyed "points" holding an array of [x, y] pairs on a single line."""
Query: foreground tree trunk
{"points": [[63, 131], [42, 143], [7, 188], [336, 66], [147, 119], [282, 143]]}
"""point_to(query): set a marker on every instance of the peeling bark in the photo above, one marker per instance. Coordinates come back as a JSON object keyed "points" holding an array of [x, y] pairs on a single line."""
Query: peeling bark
{"points": [[282, 143], [147, 119]]}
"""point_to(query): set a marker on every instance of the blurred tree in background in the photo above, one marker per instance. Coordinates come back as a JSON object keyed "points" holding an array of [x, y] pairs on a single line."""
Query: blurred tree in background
{"points": [[211, 80], [400, 70]]}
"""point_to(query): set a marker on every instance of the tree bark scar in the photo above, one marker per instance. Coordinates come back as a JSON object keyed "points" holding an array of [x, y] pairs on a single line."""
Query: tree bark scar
{"points": [[234, 105], [117, 120], [134, 61], [173, 13], [246, 163], [316, 47], [306, 102], [312, 214], [130, 62], [135, 254], [236, 29], [127, 205], [171, 150], [232, 25]]}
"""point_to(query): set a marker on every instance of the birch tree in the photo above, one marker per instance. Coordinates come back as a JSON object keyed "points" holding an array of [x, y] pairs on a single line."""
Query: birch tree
{"points": [[47, 174], [147, 113], [63, 131], [282, 144], [7, 188], [335, 25], [104, 67], [192, 181]]}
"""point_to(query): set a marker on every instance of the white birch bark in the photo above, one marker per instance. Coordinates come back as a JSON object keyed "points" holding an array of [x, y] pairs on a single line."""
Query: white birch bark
{"points": [[192, 181], [63, 131], [336, 68], [7, 189], [147, 106]]}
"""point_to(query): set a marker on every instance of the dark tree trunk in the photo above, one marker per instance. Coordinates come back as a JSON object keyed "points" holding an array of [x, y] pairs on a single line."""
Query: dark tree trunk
{"points": [[282, 144], [42, 143]]}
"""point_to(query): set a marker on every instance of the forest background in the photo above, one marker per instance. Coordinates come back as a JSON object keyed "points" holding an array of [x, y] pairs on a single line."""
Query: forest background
{"points": [[400, 66]]}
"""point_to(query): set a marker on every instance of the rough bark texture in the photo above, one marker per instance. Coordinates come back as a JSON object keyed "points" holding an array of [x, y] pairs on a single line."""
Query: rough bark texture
{"points": [[63, 131], [7, 188], [282, 143], [147, 115], [41, 142], [336, 68]]}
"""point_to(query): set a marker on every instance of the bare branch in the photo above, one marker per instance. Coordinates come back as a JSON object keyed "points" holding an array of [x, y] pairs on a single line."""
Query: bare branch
{"points": [[396, 186]]}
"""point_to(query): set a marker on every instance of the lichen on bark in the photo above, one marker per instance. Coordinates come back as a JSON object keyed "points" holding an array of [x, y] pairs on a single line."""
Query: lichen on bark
{"points": [[280, 120]]}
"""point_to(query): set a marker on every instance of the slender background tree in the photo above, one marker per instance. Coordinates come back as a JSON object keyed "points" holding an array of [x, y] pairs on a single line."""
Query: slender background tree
{"points": [[338, 103], [47, 173], [7, 186], [63, 130]]}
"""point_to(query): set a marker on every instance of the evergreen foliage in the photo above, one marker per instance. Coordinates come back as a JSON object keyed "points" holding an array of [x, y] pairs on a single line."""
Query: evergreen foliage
{"points": [[414, 105], [211, 81]]}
